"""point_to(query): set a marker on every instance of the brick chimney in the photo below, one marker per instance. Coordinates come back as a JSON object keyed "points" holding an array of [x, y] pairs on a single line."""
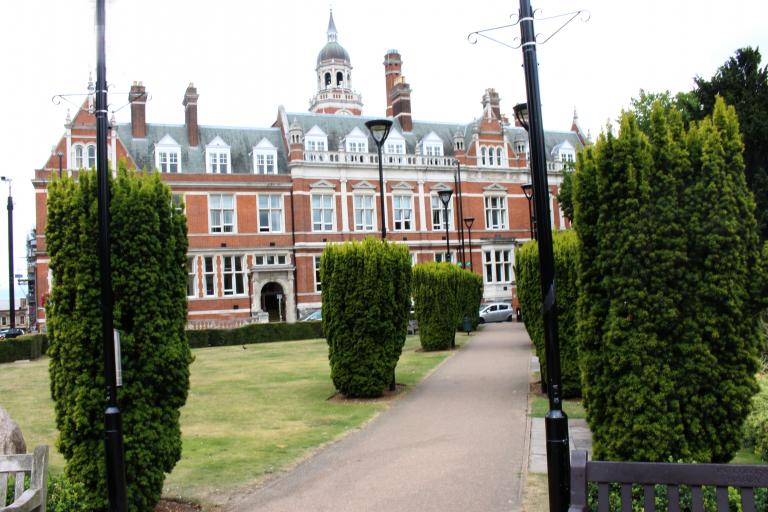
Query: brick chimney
{"points": [[138, 99], [190, 114], [491, 108], [392, 67], [401, 103]]}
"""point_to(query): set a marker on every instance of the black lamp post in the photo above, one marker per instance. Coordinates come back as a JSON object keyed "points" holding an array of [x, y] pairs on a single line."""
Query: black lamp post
{"points": [[113, 429], [468, 221], [460, 212], [379, 129], [58, 154], [556, 421], [445, 198], [528, 191], [11, 291]]}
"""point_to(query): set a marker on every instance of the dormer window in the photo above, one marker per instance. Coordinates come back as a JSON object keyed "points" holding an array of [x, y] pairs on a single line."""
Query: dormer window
{"points": [[168, 155], [431, 145], [217, 157], [265, 158], [315, 140], [356, 141], [564, 152], [492, 156]]}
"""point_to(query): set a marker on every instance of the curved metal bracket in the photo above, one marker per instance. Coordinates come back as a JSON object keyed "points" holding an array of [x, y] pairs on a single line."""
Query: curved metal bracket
{"points": [[473, 37]]}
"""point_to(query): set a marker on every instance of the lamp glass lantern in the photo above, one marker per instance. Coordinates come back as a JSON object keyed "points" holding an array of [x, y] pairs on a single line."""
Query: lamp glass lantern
{"points": [[379, 129], [445, 198], [521, 114], [527, 190]]}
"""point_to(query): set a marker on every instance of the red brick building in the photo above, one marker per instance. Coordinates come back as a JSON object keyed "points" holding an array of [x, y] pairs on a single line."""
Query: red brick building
{"points": [[262, 203]]}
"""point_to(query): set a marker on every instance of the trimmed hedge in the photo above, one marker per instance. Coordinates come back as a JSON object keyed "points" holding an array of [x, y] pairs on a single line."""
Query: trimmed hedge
{"points": [[527, 274], [366, 300], [443, 294], [254, 333], [29, 346]]}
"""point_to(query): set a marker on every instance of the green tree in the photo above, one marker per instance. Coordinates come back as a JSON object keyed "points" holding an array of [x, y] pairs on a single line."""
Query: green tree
{"points": [[149, 244], [670, 288], [744, 85], [528, 279], [565, 194], [366, 300], [437, 303]]}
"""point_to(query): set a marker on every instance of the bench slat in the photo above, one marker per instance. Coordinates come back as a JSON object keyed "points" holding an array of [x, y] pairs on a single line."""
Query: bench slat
{"points": [[697, 498], [673, 496], [602, 497], [722, 499], [3, 488], [747, 499], [16, 462], [626, 497], [649, 492], [18, 488], [739, 475]]}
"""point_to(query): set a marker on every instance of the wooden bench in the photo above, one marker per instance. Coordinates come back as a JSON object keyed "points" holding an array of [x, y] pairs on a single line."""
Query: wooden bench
{"points": [[36, 465], [649, 474]]}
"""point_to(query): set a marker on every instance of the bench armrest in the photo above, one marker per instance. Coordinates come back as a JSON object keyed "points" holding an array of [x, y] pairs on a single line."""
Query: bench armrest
{"points": [[27, 502]]}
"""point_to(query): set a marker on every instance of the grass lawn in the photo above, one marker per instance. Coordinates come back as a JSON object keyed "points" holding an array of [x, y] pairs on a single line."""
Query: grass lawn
{"points": [[540, 406], [249, 413]]}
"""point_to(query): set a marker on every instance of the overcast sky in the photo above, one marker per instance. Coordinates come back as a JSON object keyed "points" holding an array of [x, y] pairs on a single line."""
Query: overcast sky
{"points": [[247, 58]]}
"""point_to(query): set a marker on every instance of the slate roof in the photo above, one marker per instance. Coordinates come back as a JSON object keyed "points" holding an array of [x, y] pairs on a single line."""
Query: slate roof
{"points": [[240, 140]]}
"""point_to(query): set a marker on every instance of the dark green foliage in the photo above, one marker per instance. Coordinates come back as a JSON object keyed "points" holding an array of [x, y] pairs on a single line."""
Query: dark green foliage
{"points": [[149, 247], [565, 194], [65, 495], [756, 425], [366, 299], [744, 84], [470, 294], [255, 333], [527, 277], [23, 347], [438, 307], [669, 274]]}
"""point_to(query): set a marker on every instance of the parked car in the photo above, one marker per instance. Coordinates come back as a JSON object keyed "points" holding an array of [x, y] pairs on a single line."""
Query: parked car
{"points": [[496, 312], [11, 333], [314, 316]]}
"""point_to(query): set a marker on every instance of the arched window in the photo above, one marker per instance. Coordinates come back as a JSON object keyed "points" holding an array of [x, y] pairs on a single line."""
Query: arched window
{"points": [[339, 79], [498, 156], [482, 154], [91, 157], [78, 157], [327, 80], [490, 156]]}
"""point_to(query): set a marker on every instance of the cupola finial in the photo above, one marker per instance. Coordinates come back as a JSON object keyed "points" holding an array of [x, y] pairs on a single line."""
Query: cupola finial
{"points": [[332, 35]]}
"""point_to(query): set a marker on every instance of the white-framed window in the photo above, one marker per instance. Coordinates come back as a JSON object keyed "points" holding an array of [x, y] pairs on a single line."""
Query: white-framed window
{"points": [[394, 147], [492, 156], [91, 150], [270, 213], [498, 265], [566, 156], [438, 213], [209, 275], [499, 159], [314, 145], [316, 140], [221, 209], [357, 146], [191, 276], [433, 149], [483, 155], [168, 155], [233, 275], [262, 260], [520, 147], [322, 212], [265, 157], [318, 284], [77, 156], [265, 163], [218, 161], [168, 161], [495, 212], [402, 210], [440, 257], [363, 206], [414, 258]]}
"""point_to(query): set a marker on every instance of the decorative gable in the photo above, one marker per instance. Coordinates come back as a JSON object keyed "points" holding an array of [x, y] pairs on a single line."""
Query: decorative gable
{"points": [[363, 186], [322, 184], [495, 187], [402, 186]]}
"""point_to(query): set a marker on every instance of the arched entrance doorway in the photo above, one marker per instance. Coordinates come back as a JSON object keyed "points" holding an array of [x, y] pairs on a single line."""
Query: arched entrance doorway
{"points": [[273, 301]]}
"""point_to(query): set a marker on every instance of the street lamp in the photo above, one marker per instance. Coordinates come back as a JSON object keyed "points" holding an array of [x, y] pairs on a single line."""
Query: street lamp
{"points": [[528, 191], [468, 221], [445, 198], [379, 129], [58, 154], [11, 294], [556, 421], [460, 211]]}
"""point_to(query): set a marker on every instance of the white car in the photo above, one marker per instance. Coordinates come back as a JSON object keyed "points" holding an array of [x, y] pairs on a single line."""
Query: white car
{"points": [[496, 312]]}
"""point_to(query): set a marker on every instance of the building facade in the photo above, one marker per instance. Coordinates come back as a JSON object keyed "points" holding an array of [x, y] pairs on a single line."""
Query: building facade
{"points": [[262, 203]]}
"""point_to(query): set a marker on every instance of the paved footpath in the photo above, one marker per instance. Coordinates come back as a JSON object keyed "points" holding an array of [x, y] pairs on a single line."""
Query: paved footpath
{"points": [[457, 442]]}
